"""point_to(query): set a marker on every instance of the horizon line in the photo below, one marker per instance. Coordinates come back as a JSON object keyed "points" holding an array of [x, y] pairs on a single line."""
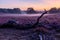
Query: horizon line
{"points": [[31, 7]]}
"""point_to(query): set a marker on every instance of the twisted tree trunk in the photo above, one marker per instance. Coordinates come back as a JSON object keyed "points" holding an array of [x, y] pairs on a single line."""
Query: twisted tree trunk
{"points": [[39, 19], [23, 27]]}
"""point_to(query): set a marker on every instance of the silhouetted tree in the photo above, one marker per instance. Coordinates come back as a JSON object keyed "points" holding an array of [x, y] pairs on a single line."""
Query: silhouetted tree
{"points": [[10, 10], [31, 10], [15, 10], [29, 26], [53, 10], [37, 22], [3, 10], [58, 10]]}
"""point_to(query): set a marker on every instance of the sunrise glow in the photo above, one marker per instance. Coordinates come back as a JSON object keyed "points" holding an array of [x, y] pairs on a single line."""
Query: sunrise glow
{"points": [[24, 4]]}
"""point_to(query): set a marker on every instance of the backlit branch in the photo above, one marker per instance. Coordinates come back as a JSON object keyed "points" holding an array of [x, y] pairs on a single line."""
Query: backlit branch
{"points": [[39, 18]]}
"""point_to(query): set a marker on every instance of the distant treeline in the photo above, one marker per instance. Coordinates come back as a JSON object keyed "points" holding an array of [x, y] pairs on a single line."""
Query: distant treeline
{"points": [[29, 10], [16, 10], [54, 10]]}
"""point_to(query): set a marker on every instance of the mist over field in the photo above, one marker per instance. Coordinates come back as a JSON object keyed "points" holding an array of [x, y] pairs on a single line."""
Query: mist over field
{"points": [[20, 26], [29, 19]]}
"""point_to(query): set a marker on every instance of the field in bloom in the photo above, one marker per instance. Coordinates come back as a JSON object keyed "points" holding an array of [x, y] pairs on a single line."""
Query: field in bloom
{"points": [[13, 34], [22, 19]]}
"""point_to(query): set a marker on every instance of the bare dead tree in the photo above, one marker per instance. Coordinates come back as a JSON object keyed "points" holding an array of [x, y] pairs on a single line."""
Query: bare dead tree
{"points": [[37, 22], [28, 27], [39, 19], [34, 25]]}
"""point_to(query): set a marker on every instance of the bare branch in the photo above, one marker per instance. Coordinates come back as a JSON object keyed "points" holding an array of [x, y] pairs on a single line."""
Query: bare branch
{"points": [[39, 18]]}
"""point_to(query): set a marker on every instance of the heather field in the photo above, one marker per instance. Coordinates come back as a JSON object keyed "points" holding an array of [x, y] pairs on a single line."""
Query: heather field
{"points": [[48, 20], [25, 19], [29, 18]]}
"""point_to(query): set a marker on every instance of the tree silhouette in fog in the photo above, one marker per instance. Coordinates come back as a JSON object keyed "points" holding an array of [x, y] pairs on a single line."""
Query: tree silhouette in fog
{"points": [[31, 10], [15, 10], [13, 24], [37, 22], [54, 10]]}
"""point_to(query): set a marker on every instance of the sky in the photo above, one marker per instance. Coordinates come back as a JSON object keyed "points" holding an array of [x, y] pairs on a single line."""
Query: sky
{"points": [[24, 4]]}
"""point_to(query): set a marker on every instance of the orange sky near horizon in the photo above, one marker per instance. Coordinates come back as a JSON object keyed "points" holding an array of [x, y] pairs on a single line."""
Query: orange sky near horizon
{"points": [[24, 4]]}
